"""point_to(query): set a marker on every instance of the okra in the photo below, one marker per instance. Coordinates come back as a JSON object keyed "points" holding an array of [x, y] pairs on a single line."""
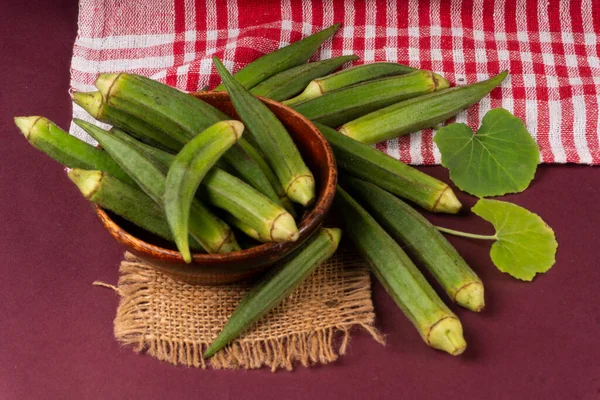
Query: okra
{"points": [[186, 172], [71, 152], [365, 162], [340, 106], [124, 200], [250, 209], [268, 173], [280, 60], [288, 83], [419, 113], [273, 139], [144, 102], [437, 325], [95, 105], [422, 241], [274, 288], [270, 221], [214, 234], [178, 114], [348, 77]]}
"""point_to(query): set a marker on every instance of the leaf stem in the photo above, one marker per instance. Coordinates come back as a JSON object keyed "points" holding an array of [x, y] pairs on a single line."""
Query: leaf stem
{"points": [[465, 234]]}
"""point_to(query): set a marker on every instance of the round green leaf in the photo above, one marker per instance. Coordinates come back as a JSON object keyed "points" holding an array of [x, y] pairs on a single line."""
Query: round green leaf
{"points": [[524, 245], [500, 158]]}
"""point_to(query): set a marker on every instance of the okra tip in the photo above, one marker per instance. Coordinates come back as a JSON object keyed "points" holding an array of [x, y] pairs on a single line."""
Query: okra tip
{"points": [[87, 181], [284, 228], [447, 335], [229, 244], [447, 202], [302, 189], [335, 234], [26, 124], [237, 126], [471, 296], [440, 81], [91, 102]]}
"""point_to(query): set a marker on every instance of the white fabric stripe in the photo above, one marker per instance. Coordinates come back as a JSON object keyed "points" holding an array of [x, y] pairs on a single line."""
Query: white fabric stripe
{"points": [[580, 125], [414, 60], [393, 147], [95, 66], [307, 19], [286, 23], [555, 122], [348, 29], [124, 42], [370, 31], [233, 28], [436, 43], [328, 20]]}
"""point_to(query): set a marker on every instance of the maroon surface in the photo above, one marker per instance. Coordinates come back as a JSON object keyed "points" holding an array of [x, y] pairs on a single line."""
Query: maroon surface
{"points": [[537, 340]]}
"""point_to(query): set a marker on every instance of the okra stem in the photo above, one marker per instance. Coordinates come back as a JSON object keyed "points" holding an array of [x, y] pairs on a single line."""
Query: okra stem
{"points": [[466, 234], [274, 288]]}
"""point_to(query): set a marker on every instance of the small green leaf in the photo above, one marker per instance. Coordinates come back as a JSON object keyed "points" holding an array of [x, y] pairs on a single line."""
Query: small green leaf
{"points": [[500, 158], [524, 245]]}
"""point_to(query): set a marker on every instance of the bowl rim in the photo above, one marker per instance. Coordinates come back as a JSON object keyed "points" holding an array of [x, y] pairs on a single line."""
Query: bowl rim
{"points": [[312, 220]]}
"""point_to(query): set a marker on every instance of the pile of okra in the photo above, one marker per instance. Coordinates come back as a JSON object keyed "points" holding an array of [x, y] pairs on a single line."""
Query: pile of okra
{"points": [[184, 171]]}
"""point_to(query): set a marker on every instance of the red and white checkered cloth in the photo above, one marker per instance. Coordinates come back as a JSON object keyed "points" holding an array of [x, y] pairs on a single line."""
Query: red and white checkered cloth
{"points": [[550, 47]]}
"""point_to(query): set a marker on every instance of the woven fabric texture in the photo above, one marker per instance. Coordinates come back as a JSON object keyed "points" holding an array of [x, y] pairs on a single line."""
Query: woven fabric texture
{"points": [[550, 47], [175, 322]]}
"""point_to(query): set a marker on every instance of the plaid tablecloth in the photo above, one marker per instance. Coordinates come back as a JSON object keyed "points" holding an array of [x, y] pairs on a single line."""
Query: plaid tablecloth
{"points": [[550, 47]]}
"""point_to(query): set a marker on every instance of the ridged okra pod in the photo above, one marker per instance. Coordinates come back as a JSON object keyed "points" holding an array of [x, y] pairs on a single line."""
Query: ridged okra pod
{"points": [[71, 152], [290, 82], [365, 162], [149, 110], [95, 105], [124, 200], [275, 287], [437, 325], [186, 172], [348, 77], [340, 106], [282, 59], [250, 209], [419, 113], [214, 234], [422, 241], [273, 139]]}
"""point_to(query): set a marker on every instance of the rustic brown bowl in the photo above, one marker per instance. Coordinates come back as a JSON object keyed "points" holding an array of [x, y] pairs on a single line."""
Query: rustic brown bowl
{"points": [[215, 269]]}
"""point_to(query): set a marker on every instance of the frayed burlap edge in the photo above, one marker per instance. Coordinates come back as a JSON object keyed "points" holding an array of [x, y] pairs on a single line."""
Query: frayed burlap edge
{"points": [[309, 347]]}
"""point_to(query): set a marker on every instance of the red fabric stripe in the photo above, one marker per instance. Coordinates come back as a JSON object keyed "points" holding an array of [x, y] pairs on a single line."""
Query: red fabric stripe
{"points": [[178, 44]]}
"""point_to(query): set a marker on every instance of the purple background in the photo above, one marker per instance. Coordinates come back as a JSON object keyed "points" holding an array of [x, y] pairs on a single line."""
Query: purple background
{"points": [[537, 340]]}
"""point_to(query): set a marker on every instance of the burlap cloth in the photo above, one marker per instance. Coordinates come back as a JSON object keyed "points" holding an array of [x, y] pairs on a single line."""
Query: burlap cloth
{"points": [[175, 321]]}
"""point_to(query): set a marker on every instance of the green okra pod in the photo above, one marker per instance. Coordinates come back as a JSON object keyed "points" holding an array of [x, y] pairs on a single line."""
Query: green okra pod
{"points": [[437, 325], [275, 185], [422, 241], [348, 77], [290, 82], [340, 106], [274, 288], [71, 152], [273, 139], [280, 60], [419, 113], [249, 209], [271, 222], [186, 172], [151, 111], [95, 105], [214, 234], [365, 162], [124, 200]]}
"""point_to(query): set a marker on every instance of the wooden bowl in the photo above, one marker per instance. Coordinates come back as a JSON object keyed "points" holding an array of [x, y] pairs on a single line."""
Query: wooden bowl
{"points": [[215, 269]]}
